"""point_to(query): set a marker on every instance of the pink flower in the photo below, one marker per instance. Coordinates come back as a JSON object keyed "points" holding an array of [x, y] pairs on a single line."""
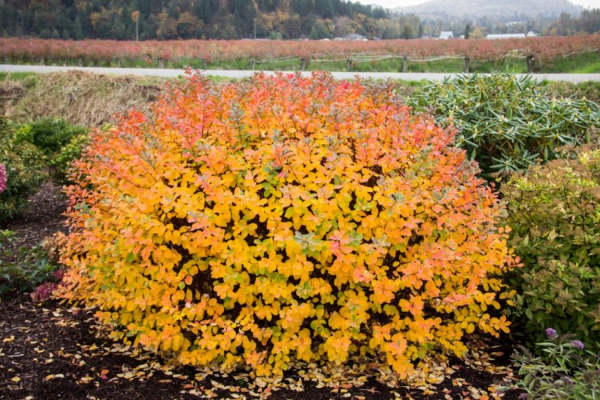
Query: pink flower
{"points": [[43, 292], [2, 178], [59, 274]]}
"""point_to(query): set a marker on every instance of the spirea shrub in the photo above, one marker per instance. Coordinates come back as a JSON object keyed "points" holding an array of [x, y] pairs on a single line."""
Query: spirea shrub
{"points": [[554, 211], [2, 178], [283, 219]]}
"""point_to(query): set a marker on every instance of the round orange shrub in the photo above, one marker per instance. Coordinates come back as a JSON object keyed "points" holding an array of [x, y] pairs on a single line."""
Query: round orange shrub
{"points": [[285, 218]]}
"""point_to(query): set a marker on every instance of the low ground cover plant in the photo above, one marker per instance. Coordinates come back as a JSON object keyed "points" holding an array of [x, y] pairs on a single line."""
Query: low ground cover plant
{"points": [[26, 270], [564, 370], [554, 211], [281, 219], [507, 123]]}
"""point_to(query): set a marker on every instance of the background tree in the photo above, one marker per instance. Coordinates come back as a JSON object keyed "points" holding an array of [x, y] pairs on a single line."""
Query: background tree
{"points": [[187, 19]]}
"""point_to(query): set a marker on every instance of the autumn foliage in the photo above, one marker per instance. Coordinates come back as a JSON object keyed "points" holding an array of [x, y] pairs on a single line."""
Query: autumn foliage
{"points": [[281, 219], [180, 52]]}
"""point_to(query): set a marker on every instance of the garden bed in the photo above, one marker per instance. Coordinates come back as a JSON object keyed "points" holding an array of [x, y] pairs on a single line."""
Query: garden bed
{"points": [[53, 350]]}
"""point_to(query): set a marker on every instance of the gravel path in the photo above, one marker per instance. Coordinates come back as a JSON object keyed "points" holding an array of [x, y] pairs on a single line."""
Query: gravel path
{"points": [[236, 74]]}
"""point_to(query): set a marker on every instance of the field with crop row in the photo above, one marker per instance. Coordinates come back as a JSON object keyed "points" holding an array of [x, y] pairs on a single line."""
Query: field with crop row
{"points": [[328, 55]]}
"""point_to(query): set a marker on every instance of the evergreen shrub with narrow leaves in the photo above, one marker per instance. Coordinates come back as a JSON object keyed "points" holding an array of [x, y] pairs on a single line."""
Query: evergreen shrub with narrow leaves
{"points": [[281, 219], [507, 123]]}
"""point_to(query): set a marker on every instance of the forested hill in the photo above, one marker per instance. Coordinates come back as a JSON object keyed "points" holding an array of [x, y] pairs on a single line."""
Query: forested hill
{"points": [[187, 19]]}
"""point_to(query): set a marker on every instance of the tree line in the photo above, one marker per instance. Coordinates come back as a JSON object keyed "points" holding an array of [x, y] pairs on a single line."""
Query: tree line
{"points": [[588, 22], [200, 19]]}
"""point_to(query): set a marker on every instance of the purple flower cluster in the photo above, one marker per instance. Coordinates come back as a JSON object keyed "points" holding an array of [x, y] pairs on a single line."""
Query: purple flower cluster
{"points": [[551, 333], [2, 178], [577, 344]]}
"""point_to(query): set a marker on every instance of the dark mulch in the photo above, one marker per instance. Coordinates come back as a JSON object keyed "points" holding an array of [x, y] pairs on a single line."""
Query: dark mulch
{"points": [[52, 351], [42, 217]]}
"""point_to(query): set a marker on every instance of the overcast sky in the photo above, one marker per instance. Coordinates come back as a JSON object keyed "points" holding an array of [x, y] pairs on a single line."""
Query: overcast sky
{"points": [[398, 3]]}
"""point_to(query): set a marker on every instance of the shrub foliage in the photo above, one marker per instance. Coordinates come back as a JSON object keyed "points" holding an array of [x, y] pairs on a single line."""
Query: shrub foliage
{"points": [[554, 211], [283, 219], [24, 170], [60, 142], [507, 123], [51, 135]]}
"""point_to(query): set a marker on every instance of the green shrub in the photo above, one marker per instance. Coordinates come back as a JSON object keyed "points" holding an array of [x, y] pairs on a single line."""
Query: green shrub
{"points": [[61, 162], [554, 211], [25, 170], [60, 142], [507, 123], [51, 135]]}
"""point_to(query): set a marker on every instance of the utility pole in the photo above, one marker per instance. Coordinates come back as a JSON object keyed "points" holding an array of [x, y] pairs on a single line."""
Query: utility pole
{"points": [[135, 16], [254, 28]]}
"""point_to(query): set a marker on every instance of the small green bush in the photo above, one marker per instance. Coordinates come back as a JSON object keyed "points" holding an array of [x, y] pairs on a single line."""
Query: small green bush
{"points": [[25, 170], [554, 211], [61, 162], [60, 142], [51, 135], [507, 123]]}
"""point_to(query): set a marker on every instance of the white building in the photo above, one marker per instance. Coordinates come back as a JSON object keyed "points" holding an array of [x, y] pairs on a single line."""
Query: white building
{"points": [[506, 36], [353, 37], [445, 35]]}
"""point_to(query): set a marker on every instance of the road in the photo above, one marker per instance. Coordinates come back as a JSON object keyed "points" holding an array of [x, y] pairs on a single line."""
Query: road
{"points": [[237, 74]]}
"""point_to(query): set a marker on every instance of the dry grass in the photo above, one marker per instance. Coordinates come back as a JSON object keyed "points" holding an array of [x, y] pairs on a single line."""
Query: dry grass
{"points": [[79, 97]]}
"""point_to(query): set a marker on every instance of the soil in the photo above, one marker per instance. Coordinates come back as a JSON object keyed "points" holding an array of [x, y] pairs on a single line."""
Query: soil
{"points": [[56, 351], [52, 351], [42, 218]]}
